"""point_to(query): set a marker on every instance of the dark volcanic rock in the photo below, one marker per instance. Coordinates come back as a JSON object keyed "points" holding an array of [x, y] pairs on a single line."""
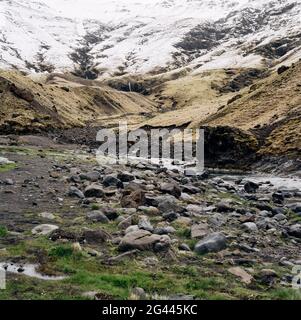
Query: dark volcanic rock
{"points": [[251, 187], [112, 181], [94, 190]]}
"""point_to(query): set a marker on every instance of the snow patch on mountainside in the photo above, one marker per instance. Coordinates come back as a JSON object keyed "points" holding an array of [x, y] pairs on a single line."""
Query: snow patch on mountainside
{"points": [[138, 36]]}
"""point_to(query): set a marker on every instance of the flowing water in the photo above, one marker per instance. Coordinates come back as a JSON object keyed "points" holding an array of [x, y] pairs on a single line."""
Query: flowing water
{"points": [[28, 270]]}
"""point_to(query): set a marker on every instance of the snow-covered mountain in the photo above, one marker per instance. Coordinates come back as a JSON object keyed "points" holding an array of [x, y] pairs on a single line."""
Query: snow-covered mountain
{"points": [[136, 36]]}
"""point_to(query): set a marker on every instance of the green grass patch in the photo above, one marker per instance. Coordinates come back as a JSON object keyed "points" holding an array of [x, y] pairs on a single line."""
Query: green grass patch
{"points": [[61, 251], [3, 231], [7, 167]]}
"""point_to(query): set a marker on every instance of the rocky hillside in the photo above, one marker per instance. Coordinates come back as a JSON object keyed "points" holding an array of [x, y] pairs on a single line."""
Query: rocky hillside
{"points": [[270, 109], [93, 38]]}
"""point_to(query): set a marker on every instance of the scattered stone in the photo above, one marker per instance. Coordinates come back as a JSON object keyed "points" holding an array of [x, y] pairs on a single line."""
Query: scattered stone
{"points": [[77, 247], [217, 220], [94, 191], [60, 234], [199, 231], [110, 213], [280, 217], [185, 221], [267, 276], [164, 230], [282, 69], [151, 261], [110, 181], [163, 245], [44, 229], [4, 161], [167, 203], [8, 182], [75, 192], [171, 188], [96, 236], [125, 177], [278, 197], [195, 209], [251, 187], [214, 242], [93, 176], [295, 230], [250, 227], [224, 206], [133, 200], [150, 211], [242, 274], [190, 189], [141, 240], [97, 216], [184, 247], [138, 294], [54, 174], [295, 207], [170, 216], [125, 223], [47, 215], [144, 224]]}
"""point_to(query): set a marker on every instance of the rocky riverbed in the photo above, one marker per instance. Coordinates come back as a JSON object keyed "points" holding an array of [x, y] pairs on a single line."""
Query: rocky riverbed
{"points": [[141, 230]]}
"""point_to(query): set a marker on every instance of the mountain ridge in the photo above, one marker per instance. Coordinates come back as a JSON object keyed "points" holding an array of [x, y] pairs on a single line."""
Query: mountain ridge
{"points": [[138, 37]]}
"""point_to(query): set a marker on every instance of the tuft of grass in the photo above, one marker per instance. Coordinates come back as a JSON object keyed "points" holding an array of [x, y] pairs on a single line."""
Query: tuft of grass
{"points": [[61, 252], [95, 207], [7, 167], [3, 231], [183, 233], [286, 294]]}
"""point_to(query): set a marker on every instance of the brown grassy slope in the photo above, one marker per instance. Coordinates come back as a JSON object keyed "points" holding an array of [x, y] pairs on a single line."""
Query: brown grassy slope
{"points": [[188, 98], [271, 110], [27, 105]]}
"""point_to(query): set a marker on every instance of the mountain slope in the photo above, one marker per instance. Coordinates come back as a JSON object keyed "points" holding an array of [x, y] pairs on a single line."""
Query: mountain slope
{"points": [[271, 110], [29, 106], [139, 36]]}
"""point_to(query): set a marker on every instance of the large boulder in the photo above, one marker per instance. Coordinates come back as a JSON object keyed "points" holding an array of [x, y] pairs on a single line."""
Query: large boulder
{"points": [[214, 242], [140, 239]]}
